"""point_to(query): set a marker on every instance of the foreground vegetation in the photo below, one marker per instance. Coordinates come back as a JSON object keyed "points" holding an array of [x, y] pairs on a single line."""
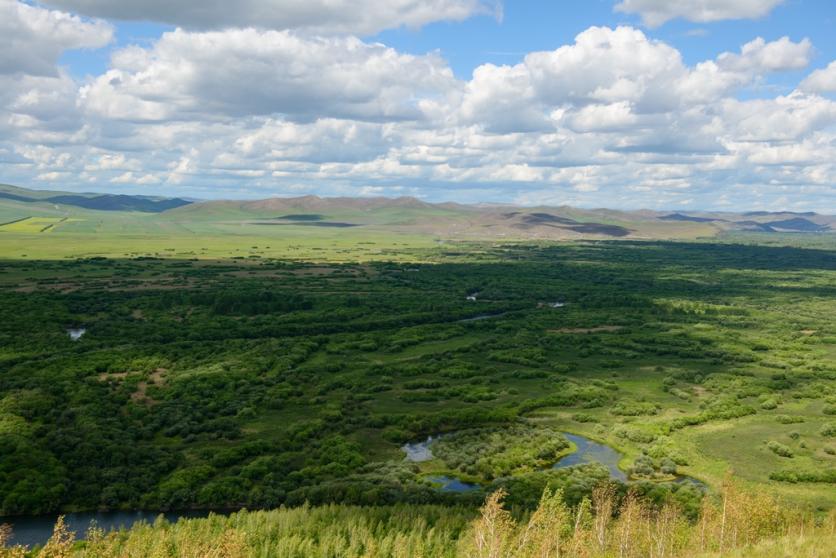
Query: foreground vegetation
{"points": [[608, 523]]}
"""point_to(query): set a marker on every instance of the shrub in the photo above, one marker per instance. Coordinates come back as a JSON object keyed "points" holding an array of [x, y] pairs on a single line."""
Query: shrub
{"points": [[769, 404], [788, 419], [779, 449], [829, 429], [634, 409], [805, 476]]}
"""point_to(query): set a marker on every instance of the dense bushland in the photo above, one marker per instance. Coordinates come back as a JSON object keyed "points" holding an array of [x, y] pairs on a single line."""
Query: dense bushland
{"points": [[204, 384]]}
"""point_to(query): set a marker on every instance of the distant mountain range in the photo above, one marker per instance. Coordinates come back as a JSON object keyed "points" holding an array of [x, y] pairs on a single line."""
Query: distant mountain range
{"points": [[379, 215], [799, 223], [100, 202]]}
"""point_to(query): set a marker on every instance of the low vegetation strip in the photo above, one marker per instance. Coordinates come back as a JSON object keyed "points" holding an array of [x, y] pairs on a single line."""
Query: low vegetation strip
{"points": [[609, 523], [14, 221]]}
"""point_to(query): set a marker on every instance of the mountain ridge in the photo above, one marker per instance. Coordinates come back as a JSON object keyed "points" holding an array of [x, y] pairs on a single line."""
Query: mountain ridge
{"points": [[406, 215]]}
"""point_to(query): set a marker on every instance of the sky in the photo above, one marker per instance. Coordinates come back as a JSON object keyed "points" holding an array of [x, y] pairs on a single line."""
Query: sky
{"points": [[659, 104]]}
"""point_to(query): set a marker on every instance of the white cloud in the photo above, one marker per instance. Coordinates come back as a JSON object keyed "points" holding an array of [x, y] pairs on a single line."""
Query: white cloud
{"points": [[603, 118], [320, 16], [613, 78], [782, 119], [131, 178], [37, 98], [822, 80], [760, 56], [113, 161], [244, 72], [32, 39], [657, 12], [614, 118]]}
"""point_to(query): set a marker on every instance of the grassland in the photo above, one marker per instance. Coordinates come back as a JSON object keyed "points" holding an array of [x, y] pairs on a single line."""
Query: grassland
{"points": [[337, 230]]}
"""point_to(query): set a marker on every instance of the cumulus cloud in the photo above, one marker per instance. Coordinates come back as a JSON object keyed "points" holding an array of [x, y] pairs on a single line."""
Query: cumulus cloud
{"points": [[361, 17], [613, 115], [32, 39], [610, 79], [759, 56], [822, 80], [37, 98], [657, 12], [243, 72]]}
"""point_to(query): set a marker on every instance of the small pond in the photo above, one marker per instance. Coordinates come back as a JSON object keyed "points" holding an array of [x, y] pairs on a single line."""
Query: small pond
{"points": [[76, 333], [419, 451]]}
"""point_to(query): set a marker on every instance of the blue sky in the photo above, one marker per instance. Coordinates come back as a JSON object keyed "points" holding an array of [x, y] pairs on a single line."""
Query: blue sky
{"points": [[628, 103], [530, 25]]}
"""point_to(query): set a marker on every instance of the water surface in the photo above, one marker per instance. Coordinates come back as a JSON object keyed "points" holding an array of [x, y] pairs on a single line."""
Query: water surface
{"points": [[75, 333], [419, 451], [452, 484], [590, 451]]}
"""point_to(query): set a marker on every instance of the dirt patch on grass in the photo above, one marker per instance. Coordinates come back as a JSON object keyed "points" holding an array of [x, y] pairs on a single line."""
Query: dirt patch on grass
{"points": [[700, 391], [808, 332], [155, 379], [106, 376]]}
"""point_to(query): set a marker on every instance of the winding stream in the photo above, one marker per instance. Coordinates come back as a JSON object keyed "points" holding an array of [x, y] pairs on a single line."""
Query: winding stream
{"points": [[36, 530], [588, 451]]}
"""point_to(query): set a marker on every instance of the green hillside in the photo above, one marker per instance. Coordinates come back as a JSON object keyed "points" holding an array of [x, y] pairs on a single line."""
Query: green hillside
{"points": [[52, 225]]}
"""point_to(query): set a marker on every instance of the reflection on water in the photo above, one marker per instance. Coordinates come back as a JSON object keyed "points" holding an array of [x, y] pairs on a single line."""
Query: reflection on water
{"points": [[76, 333], [452, 484], [419, 451], [592, 452]]}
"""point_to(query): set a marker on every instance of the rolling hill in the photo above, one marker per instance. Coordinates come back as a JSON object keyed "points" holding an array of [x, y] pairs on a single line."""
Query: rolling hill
{"points": [[53, 223], [101, 202]]}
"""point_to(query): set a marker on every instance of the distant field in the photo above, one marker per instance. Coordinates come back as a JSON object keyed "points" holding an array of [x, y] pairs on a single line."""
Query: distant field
{"points": [[34, 224], [341, 229], [291, 242]]}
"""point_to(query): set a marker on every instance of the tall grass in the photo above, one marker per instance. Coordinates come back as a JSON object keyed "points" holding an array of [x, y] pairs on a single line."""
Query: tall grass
{"points": [[735, 523]]}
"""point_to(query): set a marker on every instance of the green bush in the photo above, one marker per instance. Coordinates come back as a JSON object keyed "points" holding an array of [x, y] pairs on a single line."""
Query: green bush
{"points": [[779, 449]]}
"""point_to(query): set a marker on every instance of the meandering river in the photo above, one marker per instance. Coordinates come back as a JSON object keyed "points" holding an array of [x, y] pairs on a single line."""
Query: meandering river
{"points": [[587, 451], [590, 451], [36, 530]]}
